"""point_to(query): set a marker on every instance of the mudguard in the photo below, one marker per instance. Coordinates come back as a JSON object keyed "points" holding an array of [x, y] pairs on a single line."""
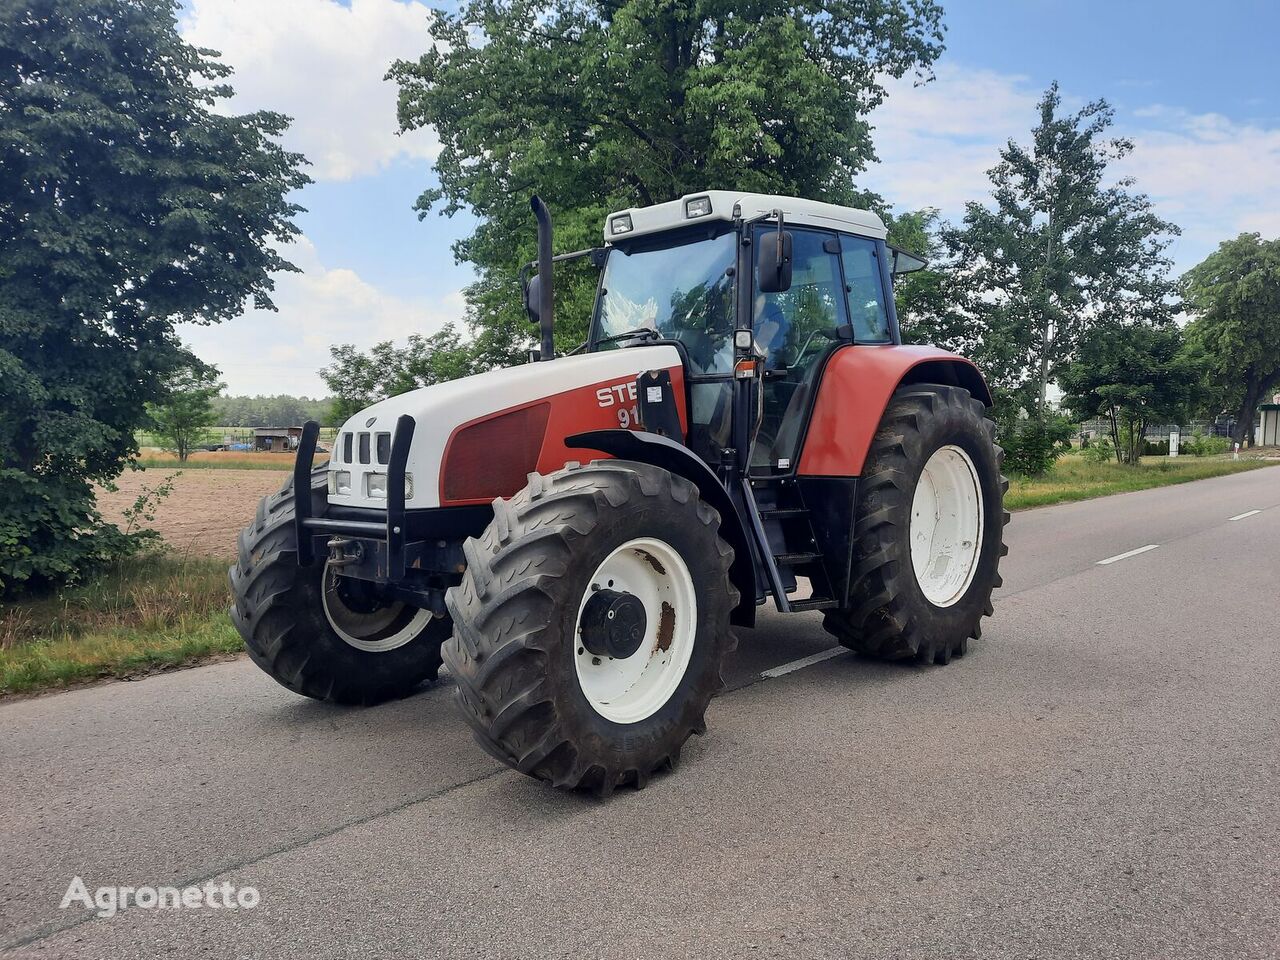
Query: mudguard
{"points": [[677, 458], [857, 384]]}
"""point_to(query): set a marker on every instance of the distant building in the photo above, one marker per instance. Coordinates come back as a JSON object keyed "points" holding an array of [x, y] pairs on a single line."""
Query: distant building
{"points": [[276, 439]]}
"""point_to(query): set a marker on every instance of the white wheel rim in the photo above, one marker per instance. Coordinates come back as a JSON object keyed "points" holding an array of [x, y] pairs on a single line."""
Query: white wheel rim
{"points": [[946, 526], [630, 689], [370, 632]]}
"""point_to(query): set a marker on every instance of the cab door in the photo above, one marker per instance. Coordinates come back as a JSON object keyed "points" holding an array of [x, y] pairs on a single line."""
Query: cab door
{"points": [[796, 329]]}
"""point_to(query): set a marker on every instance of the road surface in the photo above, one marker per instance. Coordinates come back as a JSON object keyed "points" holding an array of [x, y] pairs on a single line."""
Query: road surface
{"points": [[1099, 777]]}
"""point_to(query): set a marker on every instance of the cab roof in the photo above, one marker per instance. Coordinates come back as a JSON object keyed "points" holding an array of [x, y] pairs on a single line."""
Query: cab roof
{"points": [[721, 203]]}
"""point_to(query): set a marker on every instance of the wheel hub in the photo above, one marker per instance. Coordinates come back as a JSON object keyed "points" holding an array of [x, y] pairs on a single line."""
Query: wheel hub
{"points": [[613, 624]]}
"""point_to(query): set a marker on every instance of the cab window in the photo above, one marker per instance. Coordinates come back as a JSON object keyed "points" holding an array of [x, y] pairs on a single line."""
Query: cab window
{"points": [[796, 329], [865, 289]]}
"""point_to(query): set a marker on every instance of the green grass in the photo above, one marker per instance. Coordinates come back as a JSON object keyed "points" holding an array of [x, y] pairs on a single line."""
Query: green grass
{"points": [[148, 613], [1074, 478]]}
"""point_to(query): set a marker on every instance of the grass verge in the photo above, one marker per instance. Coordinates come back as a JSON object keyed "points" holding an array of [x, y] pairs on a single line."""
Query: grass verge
{"points": [[147, 613], [1074, 478]]}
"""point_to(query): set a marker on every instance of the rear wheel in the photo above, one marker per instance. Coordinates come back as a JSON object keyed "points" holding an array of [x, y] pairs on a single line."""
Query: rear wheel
{"points": [[320, 634], [591, 624], [928, 530]]}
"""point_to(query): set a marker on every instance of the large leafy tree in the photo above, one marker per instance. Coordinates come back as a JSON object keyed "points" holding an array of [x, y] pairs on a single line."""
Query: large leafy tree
{"points": [[128, 204], [603, 104], [1133, 376], [1234, 295], [1062, 248]]}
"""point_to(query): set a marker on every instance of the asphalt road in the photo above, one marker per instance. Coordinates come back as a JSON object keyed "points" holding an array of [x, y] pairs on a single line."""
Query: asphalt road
{"points": [[1097, 778]]}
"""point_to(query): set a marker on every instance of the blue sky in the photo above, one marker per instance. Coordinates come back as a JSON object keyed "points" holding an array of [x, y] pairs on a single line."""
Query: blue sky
{"points": [[1195, 86]]}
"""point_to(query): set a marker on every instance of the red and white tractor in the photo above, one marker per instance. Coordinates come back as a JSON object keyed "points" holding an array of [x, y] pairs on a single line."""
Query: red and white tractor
{"points": [[576, 537]]}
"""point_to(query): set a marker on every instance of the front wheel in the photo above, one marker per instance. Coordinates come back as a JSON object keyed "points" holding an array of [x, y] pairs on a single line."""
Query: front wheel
{"points": [[320, 634], [928, 530], [591, 624]]}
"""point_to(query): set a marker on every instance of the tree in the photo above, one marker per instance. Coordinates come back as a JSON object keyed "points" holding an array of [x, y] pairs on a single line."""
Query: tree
{"points": [[129, 201], [182, 419], [928, 300], [1234, 296], [1133, 375], [357, 379], [603, 105], [1060, 252]]}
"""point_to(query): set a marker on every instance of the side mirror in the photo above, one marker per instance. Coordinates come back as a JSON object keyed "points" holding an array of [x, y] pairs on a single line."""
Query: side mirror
{"points": [[532, 298], [773, 267]]}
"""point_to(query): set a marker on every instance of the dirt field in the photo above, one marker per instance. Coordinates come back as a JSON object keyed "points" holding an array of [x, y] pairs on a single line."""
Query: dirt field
{"points": [[206, 510]]}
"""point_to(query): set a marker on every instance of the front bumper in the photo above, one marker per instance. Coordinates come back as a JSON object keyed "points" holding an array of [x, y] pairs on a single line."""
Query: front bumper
{"points": [[416, 556]]}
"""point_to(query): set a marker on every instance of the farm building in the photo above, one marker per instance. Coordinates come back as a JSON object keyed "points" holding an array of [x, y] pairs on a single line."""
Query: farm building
{"points": [[276, 439]]}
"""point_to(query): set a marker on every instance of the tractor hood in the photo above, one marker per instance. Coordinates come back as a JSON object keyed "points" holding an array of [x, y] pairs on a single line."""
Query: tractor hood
{"points": [[477, 436]]}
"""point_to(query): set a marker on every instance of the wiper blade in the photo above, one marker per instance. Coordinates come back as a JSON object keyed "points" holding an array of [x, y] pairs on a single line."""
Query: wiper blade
{"points": [[649, 332]]}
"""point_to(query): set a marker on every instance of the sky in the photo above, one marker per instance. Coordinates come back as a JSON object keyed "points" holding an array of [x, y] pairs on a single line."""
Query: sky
{"points": [[1196, 87]]}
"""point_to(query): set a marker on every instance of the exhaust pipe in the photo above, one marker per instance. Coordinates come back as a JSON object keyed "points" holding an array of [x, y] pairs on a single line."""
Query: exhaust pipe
{"points": [[545, 296]]}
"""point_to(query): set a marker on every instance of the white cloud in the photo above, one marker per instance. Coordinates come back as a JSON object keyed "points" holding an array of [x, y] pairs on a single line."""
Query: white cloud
{"points": [[1212, 176], [322, 64], [263, 352], [936, 141]]}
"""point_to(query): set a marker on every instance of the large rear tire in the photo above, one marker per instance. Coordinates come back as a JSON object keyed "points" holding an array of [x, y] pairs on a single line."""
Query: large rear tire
{"points": [[928, 530], [566, 561], [320, 635]]}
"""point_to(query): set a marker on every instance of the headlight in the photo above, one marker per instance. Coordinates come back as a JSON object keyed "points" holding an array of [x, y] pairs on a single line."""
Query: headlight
{"points": [[340, 482], [697, 207], [620, 224], [375, 486]]}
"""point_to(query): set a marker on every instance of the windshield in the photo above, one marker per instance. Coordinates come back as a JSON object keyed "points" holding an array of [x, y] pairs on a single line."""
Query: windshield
{"points": [[683, 291]]}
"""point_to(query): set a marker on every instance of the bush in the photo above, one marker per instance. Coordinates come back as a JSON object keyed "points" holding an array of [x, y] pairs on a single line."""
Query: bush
{"points": [[1101, 450], [1199, 445], [1033, 445], [1155, 448]]}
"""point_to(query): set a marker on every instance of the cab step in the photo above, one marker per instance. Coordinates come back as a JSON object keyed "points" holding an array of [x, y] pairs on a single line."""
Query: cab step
{"points": [[813, 603], [783, 513], [795, 559]]}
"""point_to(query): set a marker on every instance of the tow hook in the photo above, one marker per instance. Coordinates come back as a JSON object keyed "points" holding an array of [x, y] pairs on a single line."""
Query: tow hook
{"points": [[343, 552]]}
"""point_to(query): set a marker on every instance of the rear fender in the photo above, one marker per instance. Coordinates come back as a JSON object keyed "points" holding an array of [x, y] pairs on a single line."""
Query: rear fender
{"points": [[675, 458], [857, 384]]}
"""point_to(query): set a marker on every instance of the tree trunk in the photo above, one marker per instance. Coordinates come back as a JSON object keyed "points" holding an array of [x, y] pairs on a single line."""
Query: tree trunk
{"points": [[1244, 416], [1255, 392]]}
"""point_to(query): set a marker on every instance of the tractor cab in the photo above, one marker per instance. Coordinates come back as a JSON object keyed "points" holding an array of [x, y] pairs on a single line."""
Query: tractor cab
{"points": [[801, 276]]}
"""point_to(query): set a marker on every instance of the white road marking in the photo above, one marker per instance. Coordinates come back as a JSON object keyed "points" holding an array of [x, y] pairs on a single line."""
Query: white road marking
{"points": [[1241, 516], [1126, 555], [803, 662]]}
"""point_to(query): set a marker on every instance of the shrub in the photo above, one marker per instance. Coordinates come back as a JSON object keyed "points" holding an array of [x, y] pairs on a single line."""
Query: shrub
{"points": [[1032, 446], [1101, 450]]}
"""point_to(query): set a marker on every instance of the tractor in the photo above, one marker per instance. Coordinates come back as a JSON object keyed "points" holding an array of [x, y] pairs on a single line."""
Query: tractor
{"points": [[576, 537]]}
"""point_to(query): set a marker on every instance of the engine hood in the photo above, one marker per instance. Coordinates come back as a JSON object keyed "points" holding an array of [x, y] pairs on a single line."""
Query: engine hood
{"points": [[590, 391]]}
